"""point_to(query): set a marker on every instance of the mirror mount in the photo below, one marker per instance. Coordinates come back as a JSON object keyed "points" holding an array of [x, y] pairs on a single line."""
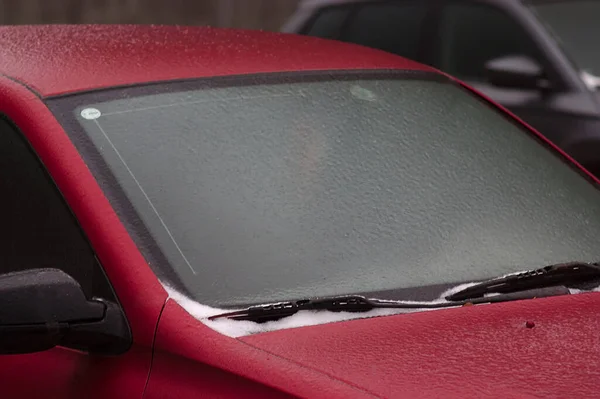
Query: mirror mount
{"points": [[44, 308], [517, 72], [109, 336]]}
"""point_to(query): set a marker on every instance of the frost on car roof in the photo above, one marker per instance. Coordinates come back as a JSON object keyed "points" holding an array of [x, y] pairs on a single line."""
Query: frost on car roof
{"points": [[102, 56]]}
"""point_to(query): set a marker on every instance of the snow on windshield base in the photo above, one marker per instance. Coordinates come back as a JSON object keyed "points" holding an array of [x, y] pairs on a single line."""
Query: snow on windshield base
{"points": [[574, 291], [237, 328]]}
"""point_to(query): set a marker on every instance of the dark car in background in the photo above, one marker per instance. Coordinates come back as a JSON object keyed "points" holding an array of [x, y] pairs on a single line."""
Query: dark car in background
{"points": [[538, 58]]}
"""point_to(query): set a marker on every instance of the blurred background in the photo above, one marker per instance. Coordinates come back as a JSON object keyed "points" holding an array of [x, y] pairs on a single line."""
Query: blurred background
{"points": [[251, 14]]}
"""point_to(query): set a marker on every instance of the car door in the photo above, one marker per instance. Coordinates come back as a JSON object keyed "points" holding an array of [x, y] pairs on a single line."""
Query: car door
{"points": [[40, 231], [469, 34]]}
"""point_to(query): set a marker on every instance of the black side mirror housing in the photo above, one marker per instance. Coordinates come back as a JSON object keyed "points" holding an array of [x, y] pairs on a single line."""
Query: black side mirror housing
{"points": [[516, 71], [44, 308]]}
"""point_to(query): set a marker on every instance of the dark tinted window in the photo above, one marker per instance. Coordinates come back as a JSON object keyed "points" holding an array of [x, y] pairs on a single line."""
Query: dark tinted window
{"points": [[471, 35], [38, 229], [328, 22], [393, 27]]}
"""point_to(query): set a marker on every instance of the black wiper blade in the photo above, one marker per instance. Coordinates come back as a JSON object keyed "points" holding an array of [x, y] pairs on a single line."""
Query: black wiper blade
{"points": [[278, 310], [547, 281], [564, 274], [358, 303]]}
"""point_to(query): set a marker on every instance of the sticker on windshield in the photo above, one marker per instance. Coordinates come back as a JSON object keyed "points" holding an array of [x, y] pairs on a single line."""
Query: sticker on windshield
{"points": [[91, 113]]}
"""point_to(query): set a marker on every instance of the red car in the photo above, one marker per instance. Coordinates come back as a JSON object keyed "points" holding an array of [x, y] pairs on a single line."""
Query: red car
{"points": [[195, 212]]}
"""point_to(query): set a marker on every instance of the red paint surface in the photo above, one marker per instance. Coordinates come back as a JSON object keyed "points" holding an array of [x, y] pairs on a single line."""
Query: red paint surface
{"points": [[183, 341], [59, 59], [469, 352], [61, 373]]}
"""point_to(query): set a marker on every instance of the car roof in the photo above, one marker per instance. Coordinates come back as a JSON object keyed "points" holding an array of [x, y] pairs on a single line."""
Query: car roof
{"points": [[60, 59]]}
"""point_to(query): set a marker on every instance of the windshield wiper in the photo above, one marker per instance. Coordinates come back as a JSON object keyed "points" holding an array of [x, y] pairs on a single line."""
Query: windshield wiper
{"points": [[358, 303], [565, 274]]}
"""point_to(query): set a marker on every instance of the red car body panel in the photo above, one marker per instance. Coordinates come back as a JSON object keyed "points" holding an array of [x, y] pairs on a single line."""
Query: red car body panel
{"points": [[62, 59], [180, 336], [467, 352], [480, 351]]}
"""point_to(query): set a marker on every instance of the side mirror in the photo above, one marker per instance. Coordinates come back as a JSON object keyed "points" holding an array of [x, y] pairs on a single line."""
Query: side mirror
{"points": [[516, 71], [44, 308]]}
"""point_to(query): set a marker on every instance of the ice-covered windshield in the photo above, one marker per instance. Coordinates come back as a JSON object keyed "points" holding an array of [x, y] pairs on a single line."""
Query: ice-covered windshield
{"points": [[574, 24], [283, 189]]}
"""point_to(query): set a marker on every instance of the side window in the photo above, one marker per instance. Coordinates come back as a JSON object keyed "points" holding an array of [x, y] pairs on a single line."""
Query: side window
{"points": [[393, 27], [328, 22], [471, 35], [38, 229]]}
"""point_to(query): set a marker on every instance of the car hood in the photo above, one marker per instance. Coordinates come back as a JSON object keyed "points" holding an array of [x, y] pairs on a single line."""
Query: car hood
{"points": [[547, 347]]}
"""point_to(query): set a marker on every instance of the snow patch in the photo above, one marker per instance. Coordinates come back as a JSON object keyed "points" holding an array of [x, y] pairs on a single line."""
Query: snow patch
{"points": [[303, 318], [240, 328], [574, 291]]}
